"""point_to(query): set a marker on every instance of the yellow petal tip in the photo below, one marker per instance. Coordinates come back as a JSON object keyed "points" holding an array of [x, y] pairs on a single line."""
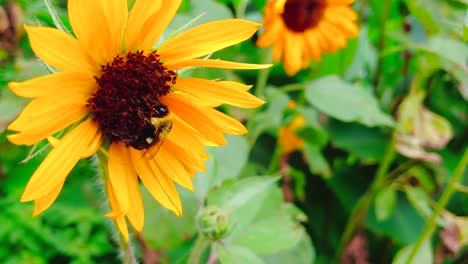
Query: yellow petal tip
{"points": [[114, 215]]}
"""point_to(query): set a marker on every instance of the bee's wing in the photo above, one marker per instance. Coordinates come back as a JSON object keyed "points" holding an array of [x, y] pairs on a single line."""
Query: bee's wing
{"points": [[151, 152]]}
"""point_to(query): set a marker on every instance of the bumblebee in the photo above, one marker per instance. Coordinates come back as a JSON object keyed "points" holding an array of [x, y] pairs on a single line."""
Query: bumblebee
{"points": [[154, 131]]}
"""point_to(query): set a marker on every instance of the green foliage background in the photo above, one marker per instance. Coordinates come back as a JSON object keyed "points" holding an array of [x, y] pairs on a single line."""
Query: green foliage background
{"points": [[348, 176]]}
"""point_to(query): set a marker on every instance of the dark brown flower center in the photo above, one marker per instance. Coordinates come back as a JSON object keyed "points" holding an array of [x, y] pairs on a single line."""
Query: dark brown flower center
{"points": [[300, 15], [129, 93]]}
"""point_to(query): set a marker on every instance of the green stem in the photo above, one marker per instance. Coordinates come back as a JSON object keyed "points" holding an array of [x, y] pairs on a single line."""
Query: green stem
{"points": [[381, 45], [290, 88], [365, 201], [125, 248], [444, 199], [199, 248], [461, 188], [240, 9], [262, 78], [275, 160]]}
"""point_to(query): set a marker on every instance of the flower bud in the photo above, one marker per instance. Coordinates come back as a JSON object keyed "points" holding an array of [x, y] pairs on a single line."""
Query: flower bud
{"points": [[213, 222]]}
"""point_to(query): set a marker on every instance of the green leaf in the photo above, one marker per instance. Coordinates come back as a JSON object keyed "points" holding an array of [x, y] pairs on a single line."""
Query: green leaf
{"points": [[424, 11], [10, 107], [316, 161], [176, 229], [385, 203], [336, 62], [261, 238], [365, 58], [225, 163], [260, 4], [346, 102], [210, 10], [403, 226], [368, 144], [235, 194], [313, 136], [299, 178], [420, 201], [423, 255], [234, 254], [302, 252], [448, 48]]}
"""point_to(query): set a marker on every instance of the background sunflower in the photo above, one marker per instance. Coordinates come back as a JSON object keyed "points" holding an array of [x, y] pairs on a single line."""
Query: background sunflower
{"points": [[302, 30]]}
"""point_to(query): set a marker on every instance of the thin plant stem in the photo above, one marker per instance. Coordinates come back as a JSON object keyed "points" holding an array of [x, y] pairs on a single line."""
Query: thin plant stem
{"points": [[461, 188], [126, 252], [275, 160], [381, 45], [444, 199], [201, 244], [365, 201], [241, 8], [213, 258], [262, 78]]}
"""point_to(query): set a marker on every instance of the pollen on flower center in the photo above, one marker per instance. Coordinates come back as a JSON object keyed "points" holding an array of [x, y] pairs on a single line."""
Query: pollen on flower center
{"points": [[129, 93], [300, 15]]}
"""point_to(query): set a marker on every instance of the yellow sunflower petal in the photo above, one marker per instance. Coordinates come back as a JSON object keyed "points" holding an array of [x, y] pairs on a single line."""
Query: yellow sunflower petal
{"points": [[172, 167], [215, 64], [293, 58], [63, 83], [44, 117], [345, 12], [217, 91], [236, 85], [348, 28], [311, 40], [119, 220], [186, 137], [116, 12], [167, 186], [60, 50], [163, 190], [90, 150], [60, 161], [156, 24], [278, 49], [41, 204], [226, 123], [93, 146], [195, 118], [271, 34], [189, 158], [92, 30], [141, 12], [120, 170], [206, 39], [136, 213]]}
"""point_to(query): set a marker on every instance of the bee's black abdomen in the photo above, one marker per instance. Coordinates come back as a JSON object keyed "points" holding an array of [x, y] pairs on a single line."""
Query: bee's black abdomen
{"points": [[140, 141]]}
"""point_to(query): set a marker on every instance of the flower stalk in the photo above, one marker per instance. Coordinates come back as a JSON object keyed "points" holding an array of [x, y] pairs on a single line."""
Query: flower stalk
{"points": [[365, 201], [126, 252], [444, 199], [201, 244]]}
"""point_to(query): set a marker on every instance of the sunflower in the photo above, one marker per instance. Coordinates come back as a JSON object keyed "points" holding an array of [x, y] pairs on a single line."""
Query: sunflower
{"points": [[301, 30], [288, 140], [115, 93]]}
